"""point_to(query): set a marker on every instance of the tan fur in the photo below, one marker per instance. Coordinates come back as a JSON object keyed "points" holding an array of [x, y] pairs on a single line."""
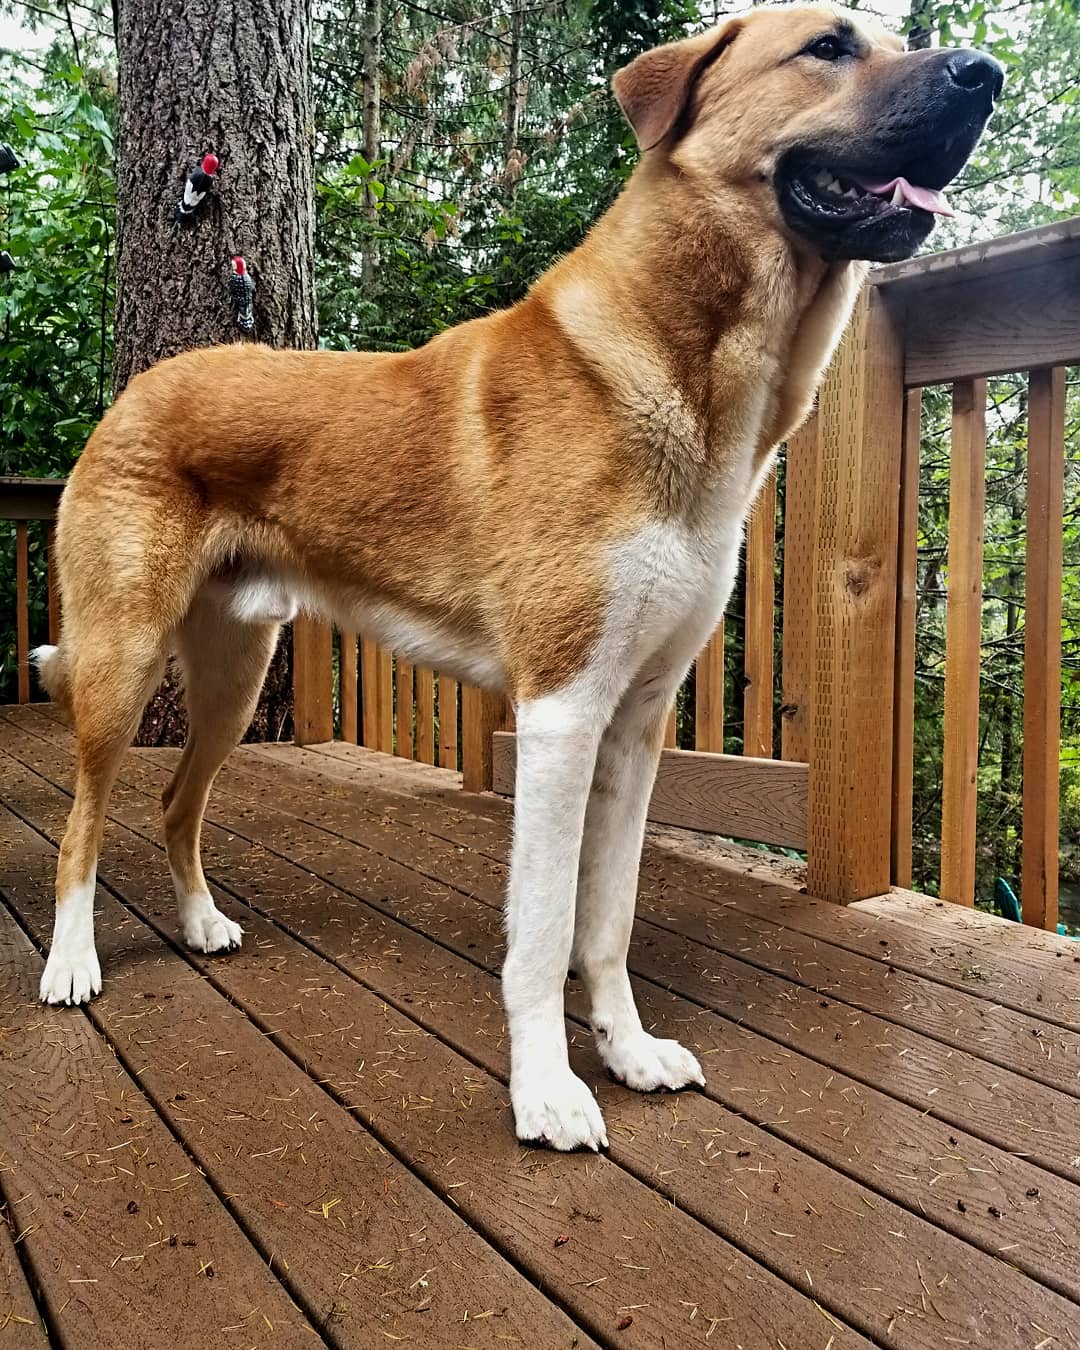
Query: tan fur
{"points": [[473, 484]]}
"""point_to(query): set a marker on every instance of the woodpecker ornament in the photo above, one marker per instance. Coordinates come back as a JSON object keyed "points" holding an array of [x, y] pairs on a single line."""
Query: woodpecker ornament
{"points": [[199, 182], [242, 290]]}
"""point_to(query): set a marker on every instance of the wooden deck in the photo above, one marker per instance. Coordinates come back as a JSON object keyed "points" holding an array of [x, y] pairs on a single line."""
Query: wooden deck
{"points": [[310, 1141]]}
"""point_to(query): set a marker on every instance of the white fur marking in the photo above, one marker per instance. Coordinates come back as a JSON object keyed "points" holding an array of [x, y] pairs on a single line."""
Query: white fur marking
{"points": [[204, 927], [72, 973]]}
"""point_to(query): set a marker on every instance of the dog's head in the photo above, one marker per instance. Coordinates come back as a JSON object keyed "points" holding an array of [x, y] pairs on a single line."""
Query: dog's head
{"points": [[821, 118]]}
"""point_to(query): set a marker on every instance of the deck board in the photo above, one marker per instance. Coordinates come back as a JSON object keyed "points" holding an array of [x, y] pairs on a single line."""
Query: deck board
{"points": [[370, 892]]}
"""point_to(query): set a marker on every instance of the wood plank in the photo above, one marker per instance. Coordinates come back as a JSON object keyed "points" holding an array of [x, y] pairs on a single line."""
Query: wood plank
{"points": [[403, 709], [800, 470], [760, 624], [350, 704], [855, 1136], [709, 694], [671, 729], [448, 728], [299, 1150], [111, 1214], [53, 572], [856, 510], [963, 639], [30, 498], [22, 610], [482, 714], [1042, 647], [903, 768], [760, 799], [995, 324], [425, 715], [369, 693], [384, 693], [20, 1321], [603, 1205], [313, 680]]}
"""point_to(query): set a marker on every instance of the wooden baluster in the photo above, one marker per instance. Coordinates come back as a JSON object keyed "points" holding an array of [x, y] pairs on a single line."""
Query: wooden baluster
{"points": [[1042, 647], [349, 701], [904, 664], [53, 575], [760, 624], [404, 705], [448, 737], [425, 715], [963, 640], [22, 610], [313, 680], [671, 731], [709, 694], [482, 714], [369, 693], [384, 687], [800, 468]]}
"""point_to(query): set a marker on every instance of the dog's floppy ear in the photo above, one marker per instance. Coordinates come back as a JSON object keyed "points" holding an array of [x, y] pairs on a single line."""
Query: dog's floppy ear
{"points": [[654, 88]]}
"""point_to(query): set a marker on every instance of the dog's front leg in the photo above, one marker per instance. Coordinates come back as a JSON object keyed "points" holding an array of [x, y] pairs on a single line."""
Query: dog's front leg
{"points": [[557, 738], [607, 888]]}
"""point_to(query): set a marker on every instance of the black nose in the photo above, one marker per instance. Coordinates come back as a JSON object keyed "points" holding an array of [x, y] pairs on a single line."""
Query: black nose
{"points": [[975, 70]]}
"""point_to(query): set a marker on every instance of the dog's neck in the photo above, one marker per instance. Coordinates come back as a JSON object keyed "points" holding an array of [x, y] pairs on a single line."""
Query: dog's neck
{"points": [[685, 306]]}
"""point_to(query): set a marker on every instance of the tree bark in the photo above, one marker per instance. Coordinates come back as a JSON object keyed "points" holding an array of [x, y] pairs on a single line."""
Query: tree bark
{"points": [[231, 77]]}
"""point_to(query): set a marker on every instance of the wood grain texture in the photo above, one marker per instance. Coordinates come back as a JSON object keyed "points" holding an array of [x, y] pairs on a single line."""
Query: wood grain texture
{"points": [[350, 702], [403, 709], [903, 768], [53, 583], [601, 1206], [21, 1326], [448, 722], [22, 610], [313, 675], [760, 623], [759, 799], [425, 715], [963, 637], [482, 714], [989, 325], [1042, 647], [860, 408], [800, 473], [905, 1154], [384, 700], [709, 694], [671, 729], [301, 1157], [369, 693]]}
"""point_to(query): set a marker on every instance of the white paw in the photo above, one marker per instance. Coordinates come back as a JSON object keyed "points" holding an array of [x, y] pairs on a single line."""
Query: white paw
{"points": [[70, 975], [647, 1064], [206, 929], [557, 1109]]}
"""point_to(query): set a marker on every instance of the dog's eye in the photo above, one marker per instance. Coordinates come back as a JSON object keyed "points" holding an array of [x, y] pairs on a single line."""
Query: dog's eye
{"points": [[825, 49]]}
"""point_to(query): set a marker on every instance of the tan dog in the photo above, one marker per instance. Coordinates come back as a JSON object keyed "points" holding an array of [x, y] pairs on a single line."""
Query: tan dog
{"points": [[584, 461]]}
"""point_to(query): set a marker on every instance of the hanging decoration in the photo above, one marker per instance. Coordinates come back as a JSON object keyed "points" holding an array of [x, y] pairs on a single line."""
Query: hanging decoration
{"points": [[242, 290]]}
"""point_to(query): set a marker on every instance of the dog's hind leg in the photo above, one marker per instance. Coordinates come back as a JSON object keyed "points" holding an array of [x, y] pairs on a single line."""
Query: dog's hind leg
{"points": [[607, 887], [108, 676], [223, 661]]}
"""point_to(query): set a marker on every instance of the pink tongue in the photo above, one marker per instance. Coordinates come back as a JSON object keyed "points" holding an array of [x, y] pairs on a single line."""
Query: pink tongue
{"points": [[927, 199]]}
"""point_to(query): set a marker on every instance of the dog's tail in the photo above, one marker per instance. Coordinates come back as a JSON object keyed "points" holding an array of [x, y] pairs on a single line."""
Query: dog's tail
{"points": [[53, 670]]}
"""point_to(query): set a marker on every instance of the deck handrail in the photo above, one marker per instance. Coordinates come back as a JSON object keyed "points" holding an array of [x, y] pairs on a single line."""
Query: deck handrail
{"points": [[27, 501]]}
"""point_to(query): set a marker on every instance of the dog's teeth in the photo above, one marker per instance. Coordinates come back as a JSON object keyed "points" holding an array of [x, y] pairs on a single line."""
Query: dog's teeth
{"points": [[852, 193], [897, 196]]}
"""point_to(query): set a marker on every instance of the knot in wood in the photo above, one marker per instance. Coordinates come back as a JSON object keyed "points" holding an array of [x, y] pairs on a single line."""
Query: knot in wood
{"points": [[859, 574]]}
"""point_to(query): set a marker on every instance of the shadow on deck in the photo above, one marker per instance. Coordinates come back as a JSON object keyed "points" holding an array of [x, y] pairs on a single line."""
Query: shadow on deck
{"points": [[310, 1141]]}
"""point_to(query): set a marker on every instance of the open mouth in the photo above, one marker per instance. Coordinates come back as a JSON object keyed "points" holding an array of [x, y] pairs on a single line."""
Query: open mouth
{"points": [[840, 196]]}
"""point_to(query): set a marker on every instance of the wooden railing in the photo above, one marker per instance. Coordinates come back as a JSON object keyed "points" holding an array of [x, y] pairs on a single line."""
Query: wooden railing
{"points": [[833, 680]]}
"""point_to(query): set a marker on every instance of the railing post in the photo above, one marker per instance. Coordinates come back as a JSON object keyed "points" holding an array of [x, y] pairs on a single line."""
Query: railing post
{"points": [[313, 681], [860, 426]]}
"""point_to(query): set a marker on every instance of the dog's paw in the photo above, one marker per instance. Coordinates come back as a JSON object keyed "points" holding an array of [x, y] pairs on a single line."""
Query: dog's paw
{"points": [[70, 976], [206, 929], [648, 1064], [558, 1110]]}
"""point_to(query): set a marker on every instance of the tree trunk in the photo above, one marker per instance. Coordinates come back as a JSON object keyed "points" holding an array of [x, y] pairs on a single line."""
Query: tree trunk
{"points": [[922, 14], [230, 77], [513, 84], [372, 87]]}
